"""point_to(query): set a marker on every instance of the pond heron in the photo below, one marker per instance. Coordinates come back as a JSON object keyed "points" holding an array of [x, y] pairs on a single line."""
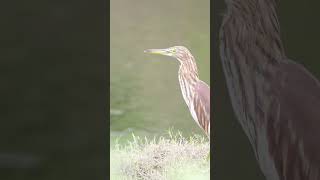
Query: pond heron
{"points": [[195, 92]]}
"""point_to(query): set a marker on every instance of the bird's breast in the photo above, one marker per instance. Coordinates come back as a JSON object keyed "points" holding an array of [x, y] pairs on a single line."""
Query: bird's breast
{"points": [[188, 95], [186, 91]]}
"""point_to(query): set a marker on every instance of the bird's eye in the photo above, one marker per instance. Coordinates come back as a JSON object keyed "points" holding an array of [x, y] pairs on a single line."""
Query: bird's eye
{"points": [[173, 50]]}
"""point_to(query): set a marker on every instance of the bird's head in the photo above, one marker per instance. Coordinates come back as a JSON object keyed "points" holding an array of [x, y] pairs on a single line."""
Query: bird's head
{"points": [[179, 52]]}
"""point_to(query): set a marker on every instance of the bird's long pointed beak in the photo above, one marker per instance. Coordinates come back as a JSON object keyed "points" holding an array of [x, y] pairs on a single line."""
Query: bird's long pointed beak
{"points": [[165, 52]]}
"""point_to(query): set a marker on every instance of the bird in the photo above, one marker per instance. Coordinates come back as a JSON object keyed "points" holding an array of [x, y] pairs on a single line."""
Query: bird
{"points": [[275, 99], [195, 92]]}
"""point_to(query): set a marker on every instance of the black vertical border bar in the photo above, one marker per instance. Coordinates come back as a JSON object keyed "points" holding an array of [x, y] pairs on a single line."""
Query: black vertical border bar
{"points": [[107, 27], [215, 21], [212, 36]]}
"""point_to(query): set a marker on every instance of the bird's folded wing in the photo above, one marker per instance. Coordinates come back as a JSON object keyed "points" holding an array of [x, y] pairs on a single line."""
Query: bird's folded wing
{"points": [[202, 105], [294, 135]]}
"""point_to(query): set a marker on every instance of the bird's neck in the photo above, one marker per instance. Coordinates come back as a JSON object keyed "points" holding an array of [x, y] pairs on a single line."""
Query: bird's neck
{"points": [[254, 23], [189, 72], [251, 52], [246, 5], [188, 77]]}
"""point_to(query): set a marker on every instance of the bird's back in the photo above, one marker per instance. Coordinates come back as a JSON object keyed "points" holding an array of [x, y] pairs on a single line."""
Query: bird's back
{"points": [[294, 129]]}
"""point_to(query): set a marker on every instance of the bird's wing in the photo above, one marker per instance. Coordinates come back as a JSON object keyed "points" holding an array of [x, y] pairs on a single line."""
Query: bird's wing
{"points": [[295, 139], [202, 105]]}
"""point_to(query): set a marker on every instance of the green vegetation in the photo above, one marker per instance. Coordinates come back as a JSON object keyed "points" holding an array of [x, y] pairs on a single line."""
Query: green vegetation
{"points": [[165, 157]]}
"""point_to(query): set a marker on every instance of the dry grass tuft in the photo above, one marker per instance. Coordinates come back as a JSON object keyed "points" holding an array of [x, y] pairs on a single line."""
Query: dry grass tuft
{"points": [[172, 157]]}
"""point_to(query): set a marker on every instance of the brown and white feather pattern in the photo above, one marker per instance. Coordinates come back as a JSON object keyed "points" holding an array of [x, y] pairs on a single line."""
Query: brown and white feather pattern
{"points": [[191, 88]]}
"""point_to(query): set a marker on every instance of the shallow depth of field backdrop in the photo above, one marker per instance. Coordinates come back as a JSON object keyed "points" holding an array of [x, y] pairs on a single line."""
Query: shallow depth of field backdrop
{"points": [[145, 96]]}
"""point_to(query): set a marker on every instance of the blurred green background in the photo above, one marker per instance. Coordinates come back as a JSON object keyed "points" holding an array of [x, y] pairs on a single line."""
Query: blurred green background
{"points": [[145, 96]]}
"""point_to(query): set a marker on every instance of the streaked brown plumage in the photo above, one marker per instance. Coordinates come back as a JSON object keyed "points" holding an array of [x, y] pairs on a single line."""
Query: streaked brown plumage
{"points": [[195, 92], [275, 99]]}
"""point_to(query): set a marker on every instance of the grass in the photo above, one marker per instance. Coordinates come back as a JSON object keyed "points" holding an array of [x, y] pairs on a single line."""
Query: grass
{"points": [[166, 157]]}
